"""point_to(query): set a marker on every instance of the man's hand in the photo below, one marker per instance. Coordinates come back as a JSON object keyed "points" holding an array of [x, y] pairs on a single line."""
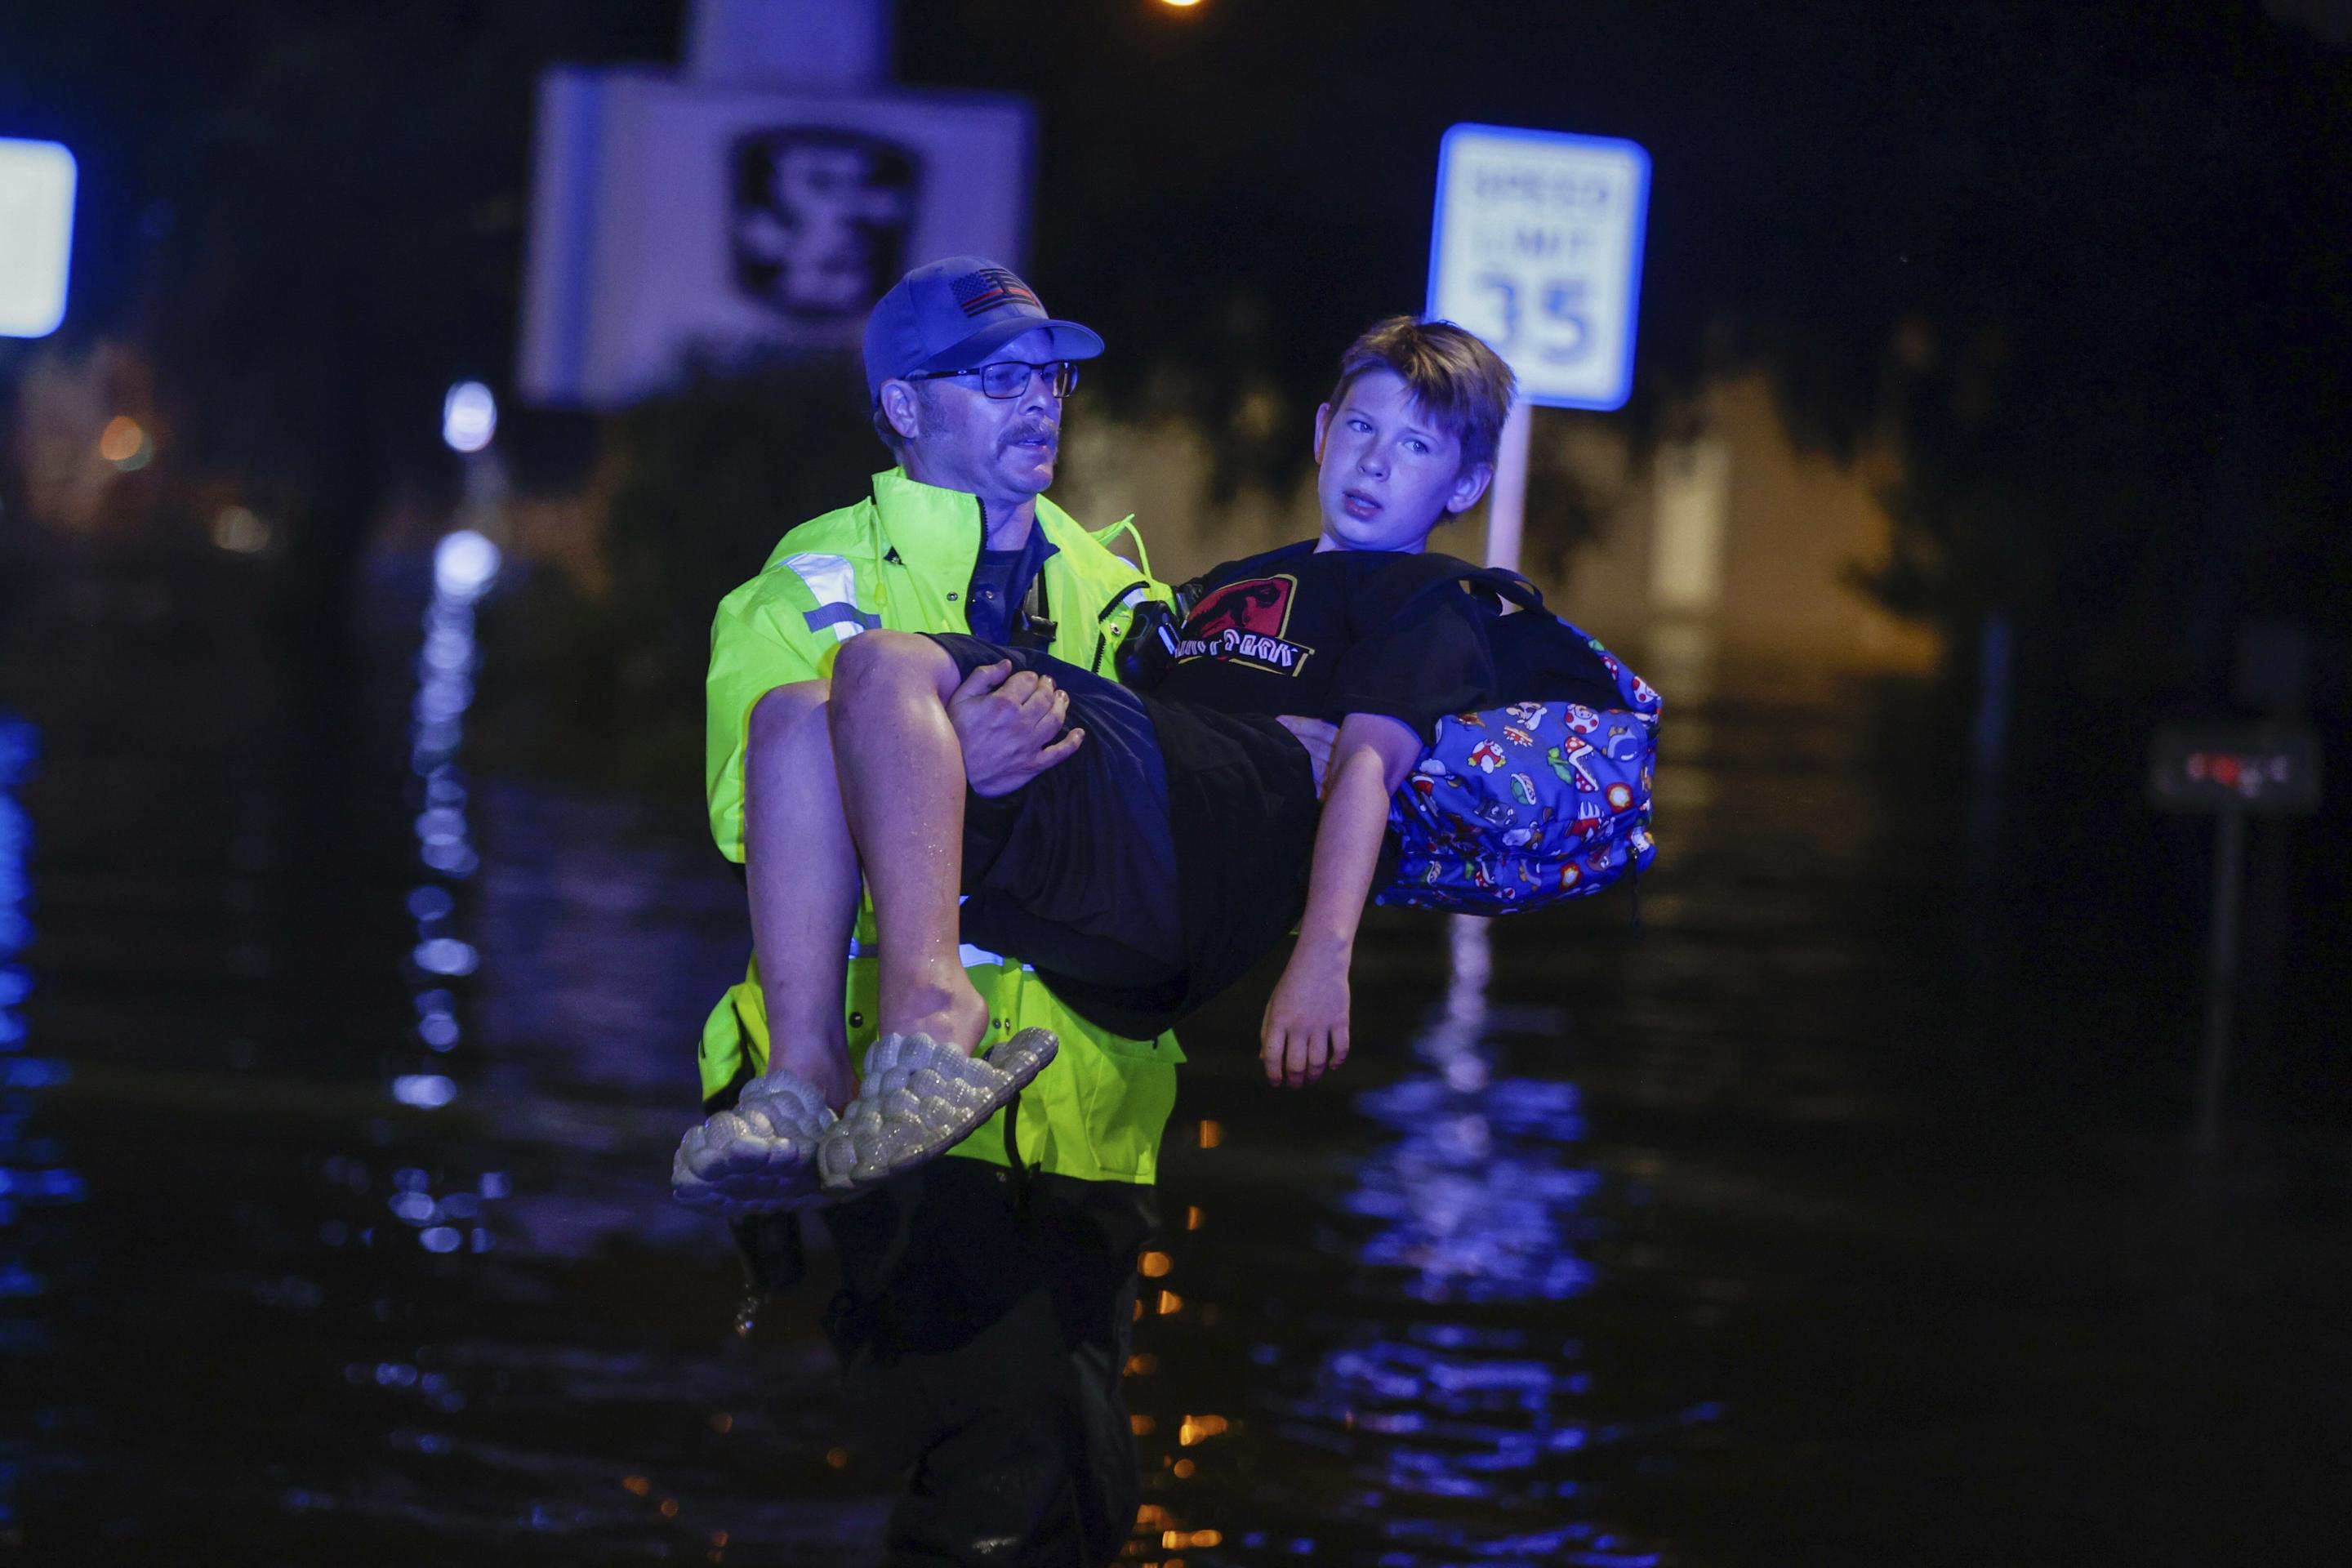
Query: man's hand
{"points": [[1315, 735], [1007, 726], [1305, 1033]]}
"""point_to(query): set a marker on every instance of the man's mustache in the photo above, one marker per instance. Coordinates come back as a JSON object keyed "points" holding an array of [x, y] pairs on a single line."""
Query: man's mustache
{"points": [[1033, 430]]}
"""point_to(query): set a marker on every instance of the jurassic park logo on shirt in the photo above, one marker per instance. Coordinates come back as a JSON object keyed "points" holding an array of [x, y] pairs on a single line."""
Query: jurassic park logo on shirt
{"points": [[1246, 623]]}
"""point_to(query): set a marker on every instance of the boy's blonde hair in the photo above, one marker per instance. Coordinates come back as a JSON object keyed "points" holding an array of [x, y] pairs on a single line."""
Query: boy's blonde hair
{"points": [[1454, 377]]}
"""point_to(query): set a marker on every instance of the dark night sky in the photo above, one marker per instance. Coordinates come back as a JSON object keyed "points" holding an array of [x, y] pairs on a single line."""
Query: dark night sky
{"points": [[2106, 237]]}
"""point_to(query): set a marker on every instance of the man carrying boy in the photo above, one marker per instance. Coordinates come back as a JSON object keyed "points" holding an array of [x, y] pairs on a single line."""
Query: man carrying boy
{"points": [[982, 1348], [1174, 840], [1172, 850], [1355, 625]]}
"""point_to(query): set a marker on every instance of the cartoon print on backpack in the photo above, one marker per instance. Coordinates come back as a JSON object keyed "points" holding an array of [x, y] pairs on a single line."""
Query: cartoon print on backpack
{"points": [[1479, 834], [1570, 761]]}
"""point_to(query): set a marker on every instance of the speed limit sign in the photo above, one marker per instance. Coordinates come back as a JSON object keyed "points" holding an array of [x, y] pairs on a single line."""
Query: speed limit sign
{"points": [[1538, 249]]}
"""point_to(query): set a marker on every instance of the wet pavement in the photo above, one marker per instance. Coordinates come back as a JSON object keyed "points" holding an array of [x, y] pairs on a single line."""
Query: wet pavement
{"points": [[338, 1083]]}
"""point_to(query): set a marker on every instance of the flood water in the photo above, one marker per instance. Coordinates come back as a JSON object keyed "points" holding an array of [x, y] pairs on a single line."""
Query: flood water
{"points": [[1799, 1225]]}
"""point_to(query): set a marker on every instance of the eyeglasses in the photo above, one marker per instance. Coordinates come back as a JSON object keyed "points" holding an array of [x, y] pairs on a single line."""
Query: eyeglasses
{"points": [[1009, 378]]}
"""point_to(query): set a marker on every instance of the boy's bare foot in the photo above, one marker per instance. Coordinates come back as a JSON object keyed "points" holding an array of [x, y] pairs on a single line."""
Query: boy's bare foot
{"points": [[823, 1066], [949, 1010]]}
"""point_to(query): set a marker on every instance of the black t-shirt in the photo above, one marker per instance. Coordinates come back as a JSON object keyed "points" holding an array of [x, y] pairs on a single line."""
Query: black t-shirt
{"points": [[1330, 633], [1000, 581], [1319, 635]]}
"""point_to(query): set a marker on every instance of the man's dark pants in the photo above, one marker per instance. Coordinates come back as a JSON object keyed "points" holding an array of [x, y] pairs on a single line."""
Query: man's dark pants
{"points": [[983, 1327], [984, 1318]]}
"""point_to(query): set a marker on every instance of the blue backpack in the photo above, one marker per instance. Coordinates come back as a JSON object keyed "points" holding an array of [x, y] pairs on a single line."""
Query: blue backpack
{"points": [[1518, 806]]}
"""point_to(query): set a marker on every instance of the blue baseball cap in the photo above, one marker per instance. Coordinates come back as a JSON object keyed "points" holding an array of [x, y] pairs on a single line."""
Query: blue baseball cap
{"points": [[952, 314]]}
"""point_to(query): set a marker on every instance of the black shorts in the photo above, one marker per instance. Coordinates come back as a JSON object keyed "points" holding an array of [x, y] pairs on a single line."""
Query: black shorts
{"points": [[1074, 872]]}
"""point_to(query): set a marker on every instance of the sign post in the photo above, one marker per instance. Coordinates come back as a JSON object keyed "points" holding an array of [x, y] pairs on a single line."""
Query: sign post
{"points": [[2233, 771], [1537, 248]]}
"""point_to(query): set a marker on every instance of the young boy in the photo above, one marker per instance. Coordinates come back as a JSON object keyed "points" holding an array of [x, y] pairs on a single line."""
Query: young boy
{"points": [[1180, 837]]}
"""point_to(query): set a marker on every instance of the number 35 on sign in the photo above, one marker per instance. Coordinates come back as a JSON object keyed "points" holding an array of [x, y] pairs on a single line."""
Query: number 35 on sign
{"points": [[1538, 249]]}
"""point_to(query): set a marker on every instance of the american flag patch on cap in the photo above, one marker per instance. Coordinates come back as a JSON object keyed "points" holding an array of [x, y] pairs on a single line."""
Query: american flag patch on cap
{"points": [[989, 287]]}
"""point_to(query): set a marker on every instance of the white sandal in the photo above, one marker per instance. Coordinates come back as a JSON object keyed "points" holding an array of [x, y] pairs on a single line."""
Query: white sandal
{"points": [[759, 1157], [918, 1100]]}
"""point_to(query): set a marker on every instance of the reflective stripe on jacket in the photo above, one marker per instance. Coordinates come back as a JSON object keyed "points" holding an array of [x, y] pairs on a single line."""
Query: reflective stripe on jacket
{"points": [[903, 559]]}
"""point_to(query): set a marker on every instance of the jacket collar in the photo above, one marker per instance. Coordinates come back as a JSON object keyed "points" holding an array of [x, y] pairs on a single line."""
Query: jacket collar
{"points": [[943, 527]]}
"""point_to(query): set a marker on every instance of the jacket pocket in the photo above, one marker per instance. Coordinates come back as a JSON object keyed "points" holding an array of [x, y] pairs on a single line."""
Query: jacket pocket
{"points": [[1097, 1110]]}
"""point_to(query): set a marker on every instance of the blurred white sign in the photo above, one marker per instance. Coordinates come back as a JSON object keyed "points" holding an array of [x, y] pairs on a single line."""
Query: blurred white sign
{"points": [[36, 201], [669, 216], [1538, 249]]}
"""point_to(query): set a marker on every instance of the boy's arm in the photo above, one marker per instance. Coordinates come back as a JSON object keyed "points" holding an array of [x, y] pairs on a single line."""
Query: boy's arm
{"points": [[1304, 1032]]}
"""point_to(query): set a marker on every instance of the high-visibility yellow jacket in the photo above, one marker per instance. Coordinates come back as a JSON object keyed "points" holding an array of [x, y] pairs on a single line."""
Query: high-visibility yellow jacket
{"points": [[903, 559]]}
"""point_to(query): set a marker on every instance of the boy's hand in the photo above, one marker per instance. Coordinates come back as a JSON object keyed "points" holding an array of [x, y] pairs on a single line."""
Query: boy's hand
{"points": [[1317, 735], [1305, 1033], [1007, 726]]}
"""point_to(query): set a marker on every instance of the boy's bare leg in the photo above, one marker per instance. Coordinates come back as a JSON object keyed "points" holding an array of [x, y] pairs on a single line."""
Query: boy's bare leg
{"points": [[902, 788], [802, 871]]}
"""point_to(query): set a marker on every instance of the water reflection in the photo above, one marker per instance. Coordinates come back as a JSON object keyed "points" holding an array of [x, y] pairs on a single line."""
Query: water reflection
{"points": [[35, 1181], [1436, 1406], [465, 567], [556, 1374], [1475, 1200], [1396, 1320]]}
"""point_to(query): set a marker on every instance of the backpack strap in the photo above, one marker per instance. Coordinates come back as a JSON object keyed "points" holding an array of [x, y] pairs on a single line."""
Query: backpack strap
{"points": [[1500, 582], [1612, 685]]}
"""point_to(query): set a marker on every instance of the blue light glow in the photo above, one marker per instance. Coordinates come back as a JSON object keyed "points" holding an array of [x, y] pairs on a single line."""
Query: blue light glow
{"points": [[465, 565], [426, 1090], [469, 417], [37, 208], [446, 956], [32, 1177]]}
